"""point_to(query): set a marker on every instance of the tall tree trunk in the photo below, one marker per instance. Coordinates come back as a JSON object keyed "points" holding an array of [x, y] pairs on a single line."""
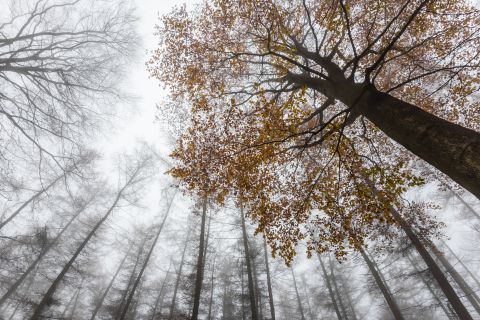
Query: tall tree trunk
{"points": [[243, 292], [269, 281], [39, 258], [330, 289], [307, 298], [337, 290], [251, 291], [145, 263], [53, 287], [209, 317], [110, 284], [74, 309], [299, 301], [462, 264], [200, 264], [447, 312], [435, 270], [392, 304], [131, 278], [470, 294], [349, 300], [257, 289], [31, 199], [177, 281], [160, 295]]}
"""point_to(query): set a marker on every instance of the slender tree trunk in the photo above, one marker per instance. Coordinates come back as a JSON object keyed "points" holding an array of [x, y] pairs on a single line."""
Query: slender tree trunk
{"points": [[337, 291], [74, 309], [145, 263], [330, 289], [269, 281], [200, 264], [462, 264], [53, 287], [211, 290], [177, 281], [299, 301], [137, 301], [160, 295], [39, 258], [349, 300], [435, 270], [243, 292], [257, 289], [470, 294], [392, 304], [131, 278], [447, 312], [17, 306], [110, 284], [307, 298], [251, 291], [31, 199], [459, 197]]}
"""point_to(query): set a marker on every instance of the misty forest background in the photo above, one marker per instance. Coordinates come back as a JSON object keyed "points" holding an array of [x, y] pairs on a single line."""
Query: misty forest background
{"points": [[91, 227]]}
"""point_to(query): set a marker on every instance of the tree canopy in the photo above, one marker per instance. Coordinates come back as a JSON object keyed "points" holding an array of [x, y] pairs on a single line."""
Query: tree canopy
{"points": [[302, 110]]}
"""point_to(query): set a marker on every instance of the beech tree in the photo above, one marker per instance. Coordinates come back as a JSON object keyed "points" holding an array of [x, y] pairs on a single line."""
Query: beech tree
{"points": [[292, 104]]}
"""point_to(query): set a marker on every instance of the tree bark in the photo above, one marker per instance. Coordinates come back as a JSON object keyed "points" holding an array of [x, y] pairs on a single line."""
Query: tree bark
{"points": [[251, 292], [435, 270], [145, 263], [392, 304], [330, 289], [299, 301], [177, 281], [110, 284], [200, 264], [449, 147], [269, 281]]}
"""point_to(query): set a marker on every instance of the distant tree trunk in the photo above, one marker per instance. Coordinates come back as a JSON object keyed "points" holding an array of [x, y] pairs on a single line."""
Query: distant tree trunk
{"points": [[330, 289], [257, 289], [243, 292], [251, 291], [435, 270], [31, 199], [299, 301], [65, 310], [269, 281], [53, 287], [307, 298], [75, 304], [349, 300], [110, 284], [211, 289], [177, 281], [462, 264], [131, 278], [392, 304], [337, 291], [447, 312], [29, 285], [137, 301], [459, 197], [160, 296], [200, 264], [470, 294], [39, 258], [145, 263]]}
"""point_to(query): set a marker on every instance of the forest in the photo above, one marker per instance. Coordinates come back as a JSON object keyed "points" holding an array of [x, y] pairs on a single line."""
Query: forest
{"points": [[240, 159]]}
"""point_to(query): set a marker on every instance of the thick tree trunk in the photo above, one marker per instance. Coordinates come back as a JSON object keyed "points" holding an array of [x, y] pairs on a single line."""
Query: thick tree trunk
{"points": [[251, 292], [145, 263], [330, 289], [470, 294], [53, 287], [177, 281], [299, 301], [110, 284], [392, 304], [449, 147], [435, 270], [39, 258], [269, 281], [200, 264]]}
